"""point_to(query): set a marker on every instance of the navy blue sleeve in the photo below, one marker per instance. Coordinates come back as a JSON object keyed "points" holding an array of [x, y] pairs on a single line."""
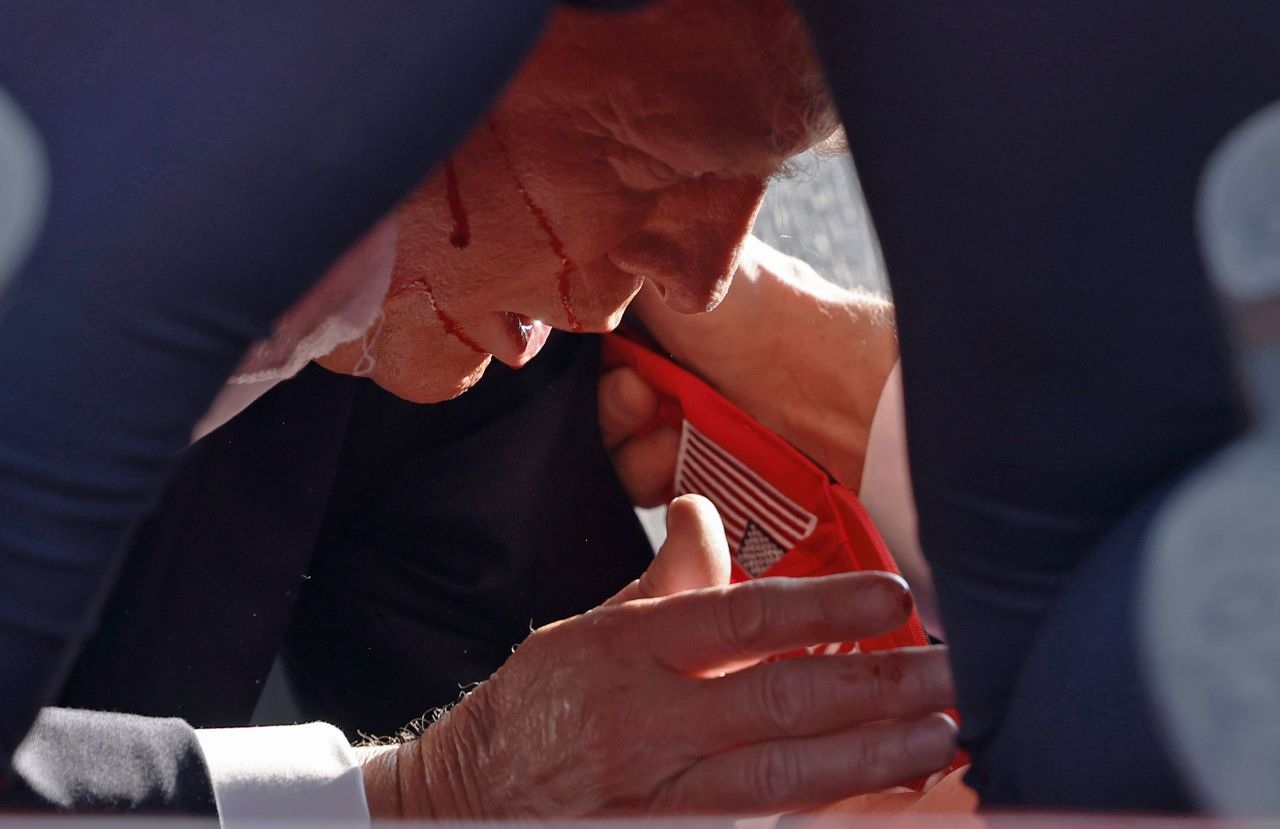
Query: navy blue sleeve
{"points": [[1032, 171], [155, 765], [207, 162]]}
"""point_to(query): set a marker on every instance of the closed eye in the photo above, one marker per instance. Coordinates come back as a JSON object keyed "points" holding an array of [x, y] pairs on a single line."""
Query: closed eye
{"points": [[638, 171]]}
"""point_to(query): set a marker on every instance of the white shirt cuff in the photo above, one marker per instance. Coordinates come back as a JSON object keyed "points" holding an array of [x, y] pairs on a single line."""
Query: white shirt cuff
{"points": [[300, 773]]}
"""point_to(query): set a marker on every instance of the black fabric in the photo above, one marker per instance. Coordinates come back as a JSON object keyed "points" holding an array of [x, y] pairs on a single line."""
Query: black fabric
{"points": [[455, 529], [207, 163], [210, 581], [423, 541], [97, 762], [1031, 169], [1081, 705]]}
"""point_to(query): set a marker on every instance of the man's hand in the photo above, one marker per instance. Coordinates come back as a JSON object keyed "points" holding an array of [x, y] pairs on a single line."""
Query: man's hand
{"points": [[659, 703]]}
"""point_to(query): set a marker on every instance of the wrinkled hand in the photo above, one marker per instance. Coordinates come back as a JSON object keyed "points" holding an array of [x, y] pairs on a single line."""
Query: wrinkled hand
{"points": [[658, 703]]}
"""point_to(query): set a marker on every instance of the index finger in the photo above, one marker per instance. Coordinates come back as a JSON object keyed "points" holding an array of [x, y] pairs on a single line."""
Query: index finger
{"points": [[708, 629]]}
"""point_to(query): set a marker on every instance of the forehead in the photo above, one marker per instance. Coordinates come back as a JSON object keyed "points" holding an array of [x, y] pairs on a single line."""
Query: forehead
{"points": [[706, 87]]}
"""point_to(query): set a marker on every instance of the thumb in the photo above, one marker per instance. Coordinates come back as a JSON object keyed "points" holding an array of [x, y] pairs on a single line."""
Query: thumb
{"points": [[695, 554]]}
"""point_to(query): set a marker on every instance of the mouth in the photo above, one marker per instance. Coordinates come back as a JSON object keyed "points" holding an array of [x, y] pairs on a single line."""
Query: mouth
{"points": [[514, 339]]}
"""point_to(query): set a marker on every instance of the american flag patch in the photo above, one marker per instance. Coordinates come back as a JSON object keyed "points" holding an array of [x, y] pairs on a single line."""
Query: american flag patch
{"points": [[760, 522]]}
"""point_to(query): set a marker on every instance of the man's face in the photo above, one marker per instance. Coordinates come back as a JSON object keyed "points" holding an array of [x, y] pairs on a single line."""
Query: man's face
{"points": [[629, 148]]}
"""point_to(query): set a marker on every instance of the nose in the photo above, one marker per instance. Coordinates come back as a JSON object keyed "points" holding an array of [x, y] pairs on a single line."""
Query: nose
{"points": [[690, 245]]}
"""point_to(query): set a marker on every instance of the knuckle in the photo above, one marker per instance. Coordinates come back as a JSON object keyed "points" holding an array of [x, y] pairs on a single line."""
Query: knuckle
{"points": [[884, 685], [783, 698], [871, 762], [578, 636], [742, 618], [775, 775]]}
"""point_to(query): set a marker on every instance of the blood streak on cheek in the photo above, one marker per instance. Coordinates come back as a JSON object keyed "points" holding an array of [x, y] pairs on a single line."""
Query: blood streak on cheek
{"points": [[461, 235], [557, 246], [451, 326]]}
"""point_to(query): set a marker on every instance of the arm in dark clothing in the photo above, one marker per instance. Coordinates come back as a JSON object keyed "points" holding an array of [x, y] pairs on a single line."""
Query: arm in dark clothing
{"points": [[1032, 170], [154, 765], [207, 164]]}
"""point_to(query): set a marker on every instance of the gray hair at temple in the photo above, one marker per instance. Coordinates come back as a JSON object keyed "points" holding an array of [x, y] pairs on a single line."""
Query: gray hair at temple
{"points": [[770, 33]]}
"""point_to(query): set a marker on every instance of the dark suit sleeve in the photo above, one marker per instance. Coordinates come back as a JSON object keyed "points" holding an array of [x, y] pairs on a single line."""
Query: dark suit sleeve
{"points": [[206, 164], [1032, 169], [102, 762]]}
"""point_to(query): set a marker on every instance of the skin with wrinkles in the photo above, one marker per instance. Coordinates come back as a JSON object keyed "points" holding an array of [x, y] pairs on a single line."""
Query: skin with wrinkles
{"points": [[635, 148], [643, 140], [656, 703], [603, 746]]}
